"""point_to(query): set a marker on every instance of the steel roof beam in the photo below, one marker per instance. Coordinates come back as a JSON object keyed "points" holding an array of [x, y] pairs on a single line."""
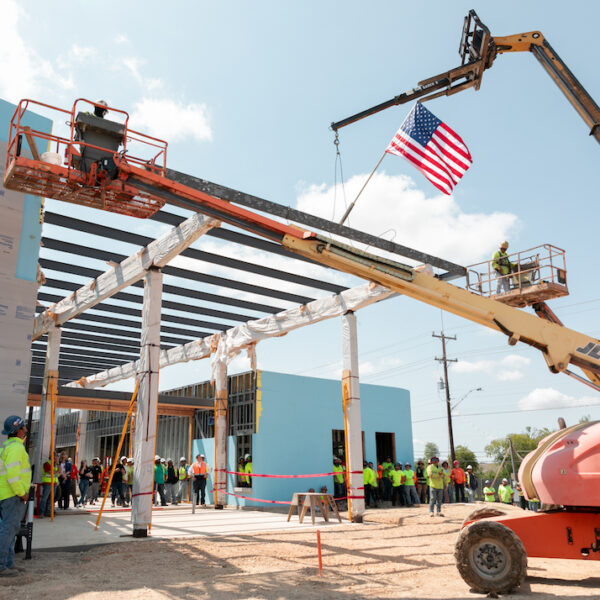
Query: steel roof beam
{"points": [[133, 268]]}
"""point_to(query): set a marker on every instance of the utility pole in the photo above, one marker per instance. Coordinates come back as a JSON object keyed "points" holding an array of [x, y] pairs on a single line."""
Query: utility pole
{"points": [[445, 360]]}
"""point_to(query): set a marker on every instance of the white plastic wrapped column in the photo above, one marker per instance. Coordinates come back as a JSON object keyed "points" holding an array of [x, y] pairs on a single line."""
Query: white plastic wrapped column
{"points": [[147, 405], [353, 424], [220, 476], [82, 438], [42, 446]]}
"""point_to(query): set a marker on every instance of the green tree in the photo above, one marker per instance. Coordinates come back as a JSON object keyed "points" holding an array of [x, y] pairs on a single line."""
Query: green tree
{"points": [[585, 419], [466, 457], [431, 449], [523, 443]]}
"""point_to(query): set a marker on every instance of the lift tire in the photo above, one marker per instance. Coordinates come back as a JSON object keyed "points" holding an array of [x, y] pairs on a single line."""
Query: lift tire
{"points": [[490, 557], [483, 513]]}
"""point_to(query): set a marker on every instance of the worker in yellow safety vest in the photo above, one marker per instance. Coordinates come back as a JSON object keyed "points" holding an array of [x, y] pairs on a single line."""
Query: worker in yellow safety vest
{"points": [[503, 267], [183, 479], [339, 482], [15, 479], [435, 473], [396, 477], [248, 470], [47, 481], [410, 489], [489, 493], [369, 483]]}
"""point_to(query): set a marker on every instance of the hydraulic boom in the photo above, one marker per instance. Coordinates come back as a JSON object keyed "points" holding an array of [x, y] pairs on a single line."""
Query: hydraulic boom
{"points": [[478, 50]]}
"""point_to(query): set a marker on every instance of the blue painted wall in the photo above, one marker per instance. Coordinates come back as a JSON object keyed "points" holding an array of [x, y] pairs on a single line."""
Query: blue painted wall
{"points": [[296, 417]]}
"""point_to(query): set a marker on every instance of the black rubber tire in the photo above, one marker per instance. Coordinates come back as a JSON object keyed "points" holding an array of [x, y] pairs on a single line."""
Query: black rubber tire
{"points": [[490, 557], [484, 513]]}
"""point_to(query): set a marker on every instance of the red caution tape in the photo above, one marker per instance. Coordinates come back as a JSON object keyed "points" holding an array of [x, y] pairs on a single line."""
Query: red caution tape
{"points": [[307, 475]]}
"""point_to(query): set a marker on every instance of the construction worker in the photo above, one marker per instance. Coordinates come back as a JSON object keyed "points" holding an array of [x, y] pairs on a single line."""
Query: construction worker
{"points": [[388, 467], [503, 267], [447, 482], [339, 483], [421, 482], [159, 482], [458, 480], [125, 482], [489, 493], [15, 479], [47, 482], [505, 492], [471, 484], [435, 474], [396, 476], [129, 469], [172, 481], [183, 479], [410, 490], [248, 469], [199, 471], [374, 483], [369, 480]]}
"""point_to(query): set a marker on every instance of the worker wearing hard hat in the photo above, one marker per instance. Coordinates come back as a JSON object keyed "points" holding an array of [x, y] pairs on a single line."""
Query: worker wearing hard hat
{"points": [[248, 469], [471, 484], [489, 493], [183, 479], [199, 471], [159, 482], [15, 479], [503, 267], [505, 492]]}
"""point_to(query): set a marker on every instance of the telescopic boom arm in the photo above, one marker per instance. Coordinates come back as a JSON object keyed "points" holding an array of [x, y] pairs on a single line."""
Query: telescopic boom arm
{"points": [[478, 50]]}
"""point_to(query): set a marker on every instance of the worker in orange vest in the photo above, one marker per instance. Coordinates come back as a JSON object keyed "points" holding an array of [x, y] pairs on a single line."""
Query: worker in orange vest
{"points": [[199, 472], [458, 479]]}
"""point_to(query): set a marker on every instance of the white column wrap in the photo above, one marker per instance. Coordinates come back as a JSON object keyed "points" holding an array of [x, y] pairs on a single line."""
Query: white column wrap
{"points": [[220, 479], [147, 404], [42, 446], [353, 425]]}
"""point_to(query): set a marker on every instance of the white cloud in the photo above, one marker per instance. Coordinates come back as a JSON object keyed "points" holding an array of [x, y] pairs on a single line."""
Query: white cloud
{"points": [[465, 367], [436, 224], [385, 364], [23, 71], [542, 398], [167, 119], [82, 53], [120, 38], [507, 369]]}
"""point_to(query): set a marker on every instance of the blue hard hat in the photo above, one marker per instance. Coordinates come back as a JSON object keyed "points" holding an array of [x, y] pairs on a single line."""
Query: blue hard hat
{"points": [[12, 424]]}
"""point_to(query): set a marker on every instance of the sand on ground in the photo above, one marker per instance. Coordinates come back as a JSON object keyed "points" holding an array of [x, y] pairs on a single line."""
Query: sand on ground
{"points": [[404, 554]]}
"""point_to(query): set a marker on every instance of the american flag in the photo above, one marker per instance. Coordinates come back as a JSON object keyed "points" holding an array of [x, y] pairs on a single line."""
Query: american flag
{"points": [[431, 146]]}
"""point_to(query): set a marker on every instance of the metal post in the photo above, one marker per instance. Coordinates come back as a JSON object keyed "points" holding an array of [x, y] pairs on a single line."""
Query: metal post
{"points": [[353, 424], [147, 405], [50, 382], [80, 448], [220, 478], [445, 361]]}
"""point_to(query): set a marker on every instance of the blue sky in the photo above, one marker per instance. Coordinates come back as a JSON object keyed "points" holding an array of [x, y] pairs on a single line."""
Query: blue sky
{"points": [[244, 93]]}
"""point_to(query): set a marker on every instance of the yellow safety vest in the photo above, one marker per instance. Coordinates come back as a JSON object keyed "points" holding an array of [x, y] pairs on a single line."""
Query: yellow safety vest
{"points": [[15, 470], [182, 473], [410, 477], [436, 477], [339, 473], [46, 476], [248, 469], [396, 477]]}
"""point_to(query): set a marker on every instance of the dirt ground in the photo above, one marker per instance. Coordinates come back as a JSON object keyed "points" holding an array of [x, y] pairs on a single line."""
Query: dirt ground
{"points": [[403, 555]]}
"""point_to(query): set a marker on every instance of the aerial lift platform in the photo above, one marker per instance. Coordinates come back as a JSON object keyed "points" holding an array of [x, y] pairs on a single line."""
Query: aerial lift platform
{"points": [[95, 166]]}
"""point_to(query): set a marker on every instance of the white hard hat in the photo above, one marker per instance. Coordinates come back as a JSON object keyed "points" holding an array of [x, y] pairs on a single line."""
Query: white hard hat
{"points": [[169, 460], [123, 458], [130, 460], [157, 457], [162, 460], [247, 456], [504, 244], [202, 456], [182, 458], [505, 480], [469, 467]]}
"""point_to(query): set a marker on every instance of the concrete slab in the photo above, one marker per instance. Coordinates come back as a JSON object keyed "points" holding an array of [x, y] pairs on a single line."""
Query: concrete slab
{"points": [[76, 529]]}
